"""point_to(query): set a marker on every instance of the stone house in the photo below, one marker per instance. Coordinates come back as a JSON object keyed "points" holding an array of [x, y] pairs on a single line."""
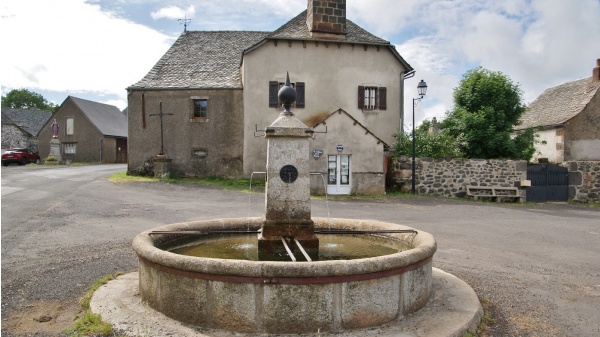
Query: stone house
{"points": [[221, 89], [567, 119], [20, 127], [89, 132]]}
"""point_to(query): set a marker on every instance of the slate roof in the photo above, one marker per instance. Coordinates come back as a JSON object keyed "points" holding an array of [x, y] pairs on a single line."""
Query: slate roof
{"points": [[30, 121], [202, 59], [107, 118], [211, 59], [297, 28], [557, 105]]}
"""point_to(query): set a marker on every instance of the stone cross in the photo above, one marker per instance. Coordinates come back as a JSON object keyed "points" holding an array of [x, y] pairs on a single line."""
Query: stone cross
{"points": [[161, 114]]}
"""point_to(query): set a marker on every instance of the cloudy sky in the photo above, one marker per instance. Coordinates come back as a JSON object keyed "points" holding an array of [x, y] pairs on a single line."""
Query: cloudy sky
{"points": [[94, 49]]}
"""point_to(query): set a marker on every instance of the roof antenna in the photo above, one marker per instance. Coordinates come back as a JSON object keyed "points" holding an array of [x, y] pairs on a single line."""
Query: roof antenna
{"points": [[185, 22]]}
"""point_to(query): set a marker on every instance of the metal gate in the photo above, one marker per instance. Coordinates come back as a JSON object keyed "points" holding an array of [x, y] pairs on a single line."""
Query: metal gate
{"points": [[548, 183]]}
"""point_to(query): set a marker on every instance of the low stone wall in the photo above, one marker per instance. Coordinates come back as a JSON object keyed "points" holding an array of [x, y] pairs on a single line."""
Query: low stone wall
{"points": [[450, 177], [584, 180]]}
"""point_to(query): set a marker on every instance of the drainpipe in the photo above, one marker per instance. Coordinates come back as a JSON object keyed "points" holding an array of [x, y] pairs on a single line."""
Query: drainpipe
{"points": [[101, 139], [403, 76]]}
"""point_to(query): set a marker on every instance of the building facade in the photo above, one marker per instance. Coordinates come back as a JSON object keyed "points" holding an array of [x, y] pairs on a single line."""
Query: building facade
{"points": [[221, 88], [567, 121], [88, 132]]}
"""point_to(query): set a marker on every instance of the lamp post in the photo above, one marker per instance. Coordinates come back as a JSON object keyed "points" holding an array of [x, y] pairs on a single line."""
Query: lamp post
{"points": [[422, 90]]}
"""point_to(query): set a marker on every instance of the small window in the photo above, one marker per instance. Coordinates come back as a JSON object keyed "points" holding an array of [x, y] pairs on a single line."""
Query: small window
{"points": [[200, 108], [372, 98], [70, 128], [274, 87], [70, 148]]}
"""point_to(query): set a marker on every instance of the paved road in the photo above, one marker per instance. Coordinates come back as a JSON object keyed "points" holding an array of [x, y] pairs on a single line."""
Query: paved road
{"points": [[64, 227]]}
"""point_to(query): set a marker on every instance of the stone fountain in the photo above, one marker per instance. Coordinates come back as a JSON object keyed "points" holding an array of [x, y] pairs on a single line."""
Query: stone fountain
{"points": [[272, 296]]}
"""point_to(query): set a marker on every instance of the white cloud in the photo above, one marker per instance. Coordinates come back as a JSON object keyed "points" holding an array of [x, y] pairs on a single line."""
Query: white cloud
{"points": [[174, 12], [74, 47], [537, 43]]}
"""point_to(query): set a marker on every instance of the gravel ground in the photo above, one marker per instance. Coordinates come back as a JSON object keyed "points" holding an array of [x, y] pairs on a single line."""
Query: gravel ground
{"points": [[536, 265]]}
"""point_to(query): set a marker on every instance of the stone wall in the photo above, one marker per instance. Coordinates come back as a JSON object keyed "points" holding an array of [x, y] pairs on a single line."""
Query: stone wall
{"points": [[450, 177], [584, 180], [13, 137]]}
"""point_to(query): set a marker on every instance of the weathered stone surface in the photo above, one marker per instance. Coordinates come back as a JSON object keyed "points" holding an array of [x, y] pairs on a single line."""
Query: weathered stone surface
{"points": [[450, 177], [584, 180], [276, 297]]}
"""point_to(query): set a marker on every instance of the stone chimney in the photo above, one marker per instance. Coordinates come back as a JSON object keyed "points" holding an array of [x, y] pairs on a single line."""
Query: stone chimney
{"points": [[327, 19], [596, 72], [433, 127]]}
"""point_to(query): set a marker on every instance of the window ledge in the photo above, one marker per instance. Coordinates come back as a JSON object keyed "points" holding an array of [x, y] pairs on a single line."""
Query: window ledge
{"points": [[199, 120]]}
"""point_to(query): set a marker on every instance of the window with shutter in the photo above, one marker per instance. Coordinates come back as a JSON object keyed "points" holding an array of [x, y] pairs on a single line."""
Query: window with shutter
{"points": [[273, 90], [382, 98], [361, 97], [372, 98], [300, 94], [274, 87]]}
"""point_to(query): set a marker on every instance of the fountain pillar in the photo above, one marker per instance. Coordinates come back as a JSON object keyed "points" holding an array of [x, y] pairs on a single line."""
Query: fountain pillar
{"points": [[287, 204]]}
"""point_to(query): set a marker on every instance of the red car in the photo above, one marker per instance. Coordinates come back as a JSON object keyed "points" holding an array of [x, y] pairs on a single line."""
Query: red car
{"points": [[19, 156]]}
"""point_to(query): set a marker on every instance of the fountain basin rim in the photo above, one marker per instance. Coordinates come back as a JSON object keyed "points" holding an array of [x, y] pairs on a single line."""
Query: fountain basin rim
{"points": [[146, 247]]}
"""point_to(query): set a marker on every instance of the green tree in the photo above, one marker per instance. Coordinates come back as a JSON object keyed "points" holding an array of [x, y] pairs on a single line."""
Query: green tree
{"points": [[439, 145], [487, 106], [25, 99]]}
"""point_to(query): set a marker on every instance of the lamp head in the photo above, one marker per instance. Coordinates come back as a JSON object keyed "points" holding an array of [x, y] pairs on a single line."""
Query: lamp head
{"points": [[422, 88]]}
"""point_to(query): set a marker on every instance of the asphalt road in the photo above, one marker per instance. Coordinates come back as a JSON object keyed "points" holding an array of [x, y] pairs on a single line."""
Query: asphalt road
{"points": [[65, 227]]}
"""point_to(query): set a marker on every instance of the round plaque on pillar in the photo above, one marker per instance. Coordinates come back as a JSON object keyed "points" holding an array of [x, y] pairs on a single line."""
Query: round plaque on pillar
{"points": [[288, 174]]}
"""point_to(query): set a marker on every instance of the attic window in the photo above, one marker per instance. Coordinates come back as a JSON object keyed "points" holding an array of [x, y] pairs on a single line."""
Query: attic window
{"points": [[372, 98], [274, 87]]}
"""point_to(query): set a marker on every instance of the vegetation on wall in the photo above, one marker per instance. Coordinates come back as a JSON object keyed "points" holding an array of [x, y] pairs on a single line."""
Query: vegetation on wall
{"points": [[487, 107], [430, 145]]}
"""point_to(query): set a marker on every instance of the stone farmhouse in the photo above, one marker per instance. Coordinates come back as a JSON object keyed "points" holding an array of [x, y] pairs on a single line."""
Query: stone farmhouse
{"points": [[218, 90], [567, 119], [88, 132], [20, 127]]}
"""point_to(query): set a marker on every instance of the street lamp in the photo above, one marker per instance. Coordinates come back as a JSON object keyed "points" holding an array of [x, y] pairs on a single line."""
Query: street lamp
{"points": [[421, 90]]}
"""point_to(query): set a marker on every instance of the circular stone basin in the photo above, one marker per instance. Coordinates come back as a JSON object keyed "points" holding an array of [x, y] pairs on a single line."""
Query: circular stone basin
{"points": [[285, 297]]}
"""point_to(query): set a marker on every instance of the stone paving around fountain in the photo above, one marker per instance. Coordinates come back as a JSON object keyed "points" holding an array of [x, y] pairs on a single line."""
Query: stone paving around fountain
{"points": [[452, 309]]}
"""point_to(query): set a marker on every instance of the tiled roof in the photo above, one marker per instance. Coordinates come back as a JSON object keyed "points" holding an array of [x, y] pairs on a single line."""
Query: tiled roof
{"points": [[28, 120], [107, 118], [202, 59], [297, 28], [557, 105]]}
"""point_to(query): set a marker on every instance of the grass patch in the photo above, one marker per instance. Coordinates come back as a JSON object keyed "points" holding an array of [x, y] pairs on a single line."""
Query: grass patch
{"points": [[258, 184], [486, 320], [86, 322], [122, 177]]}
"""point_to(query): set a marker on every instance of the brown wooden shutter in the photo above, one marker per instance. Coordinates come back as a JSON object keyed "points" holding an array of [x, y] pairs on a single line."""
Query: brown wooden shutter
{"points": [[273, 90], [300, 94], [361, 97], [382, 98]]}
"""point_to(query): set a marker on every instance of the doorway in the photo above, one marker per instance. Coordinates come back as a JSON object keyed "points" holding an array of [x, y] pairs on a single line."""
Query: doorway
{"points": [[121, 150], [338, 174]]}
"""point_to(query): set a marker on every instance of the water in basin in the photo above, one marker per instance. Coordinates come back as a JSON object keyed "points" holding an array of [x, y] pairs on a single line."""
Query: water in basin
{"points": [[331, 247]]}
